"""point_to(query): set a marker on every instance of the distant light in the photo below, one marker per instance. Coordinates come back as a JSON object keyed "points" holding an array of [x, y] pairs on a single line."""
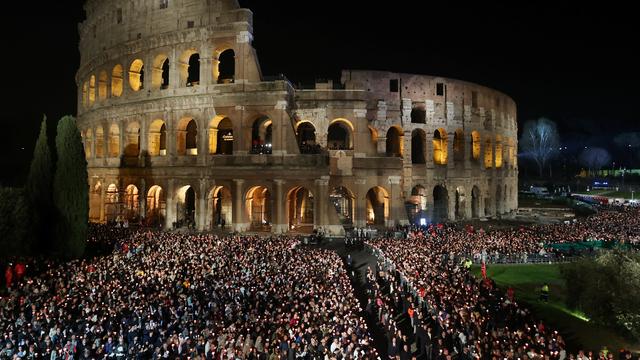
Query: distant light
{"points": [[423, 221]]}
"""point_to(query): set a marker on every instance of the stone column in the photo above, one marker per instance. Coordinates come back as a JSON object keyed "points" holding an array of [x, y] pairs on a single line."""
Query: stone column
{"points": [[239, 220], [144, 139], [320, 211], [429, 148], [452, 204], [174, 73], [206, 72], [278, 140], [103, 194], [398, 214], [468, 151], [171, 205], [451, 161], [142, 198], [281, 223], [360, 216], [201, 206]]}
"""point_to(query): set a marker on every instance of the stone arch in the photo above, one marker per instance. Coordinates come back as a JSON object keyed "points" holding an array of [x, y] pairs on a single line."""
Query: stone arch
{"points": [[85, 94], [221, 136], [377, 200], [458, 146], [114, 140], [373, 132], [111, 203], [158, 138], [156, 206], [99, 142], [306, 134], [344, 202], [187, 136], [117, 81], [417, 205], [258, 208], [300, 209], [475, 202], [440, 203], [488, 153], [131, 202], [440, 147], [419, 115], [475, 145], [418, 146], [95, 202], [262, 136], [189, 67], [185, 206], [394, 141], [498, 200], [88, 142], [132, 140], [136, 75], [92, 90], [226, 67], [460, 204], [160, 75], [340, 135], [498, 161], [220, 207], [103, 80]]}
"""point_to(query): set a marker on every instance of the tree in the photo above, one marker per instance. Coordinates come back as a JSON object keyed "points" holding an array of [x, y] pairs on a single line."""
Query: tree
{"points": [[540, 141], [71, 190], [595, 158], [38, 187]]}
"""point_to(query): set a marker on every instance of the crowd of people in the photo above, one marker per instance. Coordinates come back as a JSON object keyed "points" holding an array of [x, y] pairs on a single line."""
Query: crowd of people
{"points": [[168, 296], [453, 314]]}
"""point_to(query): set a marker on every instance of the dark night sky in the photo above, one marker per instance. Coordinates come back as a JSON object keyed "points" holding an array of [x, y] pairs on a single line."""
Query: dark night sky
{"points": [[575, 65]]}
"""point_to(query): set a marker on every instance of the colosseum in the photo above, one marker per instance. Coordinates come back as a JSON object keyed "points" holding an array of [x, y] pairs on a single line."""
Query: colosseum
{"points": [[180, 127]]}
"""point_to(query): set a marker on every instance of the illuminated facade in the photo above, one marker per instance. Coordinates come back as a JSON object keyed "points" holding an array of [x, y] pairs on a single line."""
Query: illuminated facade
{"points": [[180, 126]]}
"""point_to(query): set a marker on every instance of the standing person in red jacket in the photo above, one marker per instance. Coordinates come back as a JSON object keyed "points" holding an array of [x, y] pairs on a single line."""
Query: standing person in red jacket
{"points": [[20, 269], [8, 276]]}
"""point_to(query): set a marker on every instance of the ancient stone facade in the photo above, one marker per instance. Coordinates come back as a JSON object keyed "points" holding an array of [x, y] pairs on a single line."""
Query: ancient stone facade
{"points": [[181, 127]]}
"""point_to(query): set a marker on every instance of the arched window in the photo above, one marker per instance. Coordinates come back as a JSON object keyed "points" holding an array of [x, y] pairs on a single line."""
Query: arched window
{"points": [[339, 136], [475, 145], [417, 205], [192, 135], [300, 209], [440, 147], [226, 67], [488, 153], [307, 138], [92, 90], [160, 76], [418, 142], [114, 141], [377, 200], [498, 151], [99, 142], [103, 79], [440, 204], [193, 77], [394, 142], [262, 136], [117, 76], [258, 208], [158, 138], [344, 202], [136, 75], [221, 136], [132, 140]]}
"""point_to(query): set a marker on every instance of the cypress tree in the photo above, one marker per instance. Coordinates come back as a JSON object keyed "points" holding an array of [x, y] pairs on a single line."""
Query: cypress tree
{"points": [[38, 190], [71, 190]]}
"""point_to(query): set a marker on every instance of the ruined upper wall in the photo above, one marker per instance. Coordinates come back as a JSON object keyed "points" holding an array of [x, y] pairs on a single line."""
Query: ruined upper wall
{"points": [[114, 23], [431, 92]]}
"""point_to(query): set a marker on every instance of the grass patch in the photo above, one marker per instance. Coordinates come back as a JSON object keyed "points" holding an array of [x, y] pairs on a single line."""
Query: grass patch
{"points": [[577, 331]]}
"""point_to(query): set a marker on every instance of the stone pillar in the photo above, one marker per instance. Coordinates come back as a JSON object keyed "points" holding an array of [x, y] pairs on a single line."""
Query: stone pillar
{"points": [[144, 138], [429, 149], [239, 220], [215, 68], [171, 205], [148, 74], [278, 140], [281, 223], [206, 72], [468, 151], [360, 216], [451, 161], [382, 145], [398, 214], [320, 211], [201, 206], [103, 194], [142, 198], [452, 204], [174, 73]]}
